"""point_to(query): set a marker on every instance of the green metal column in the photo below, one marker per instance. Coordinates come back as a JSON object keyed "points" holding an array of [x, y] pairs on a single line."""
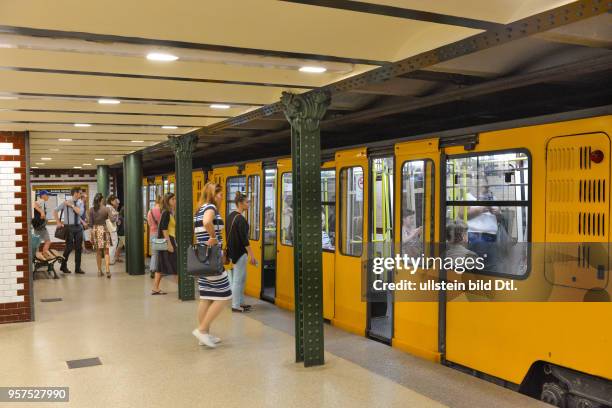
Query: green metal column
{"points": [[132, 195], [304, 113], [102, 178], [183, 149]]}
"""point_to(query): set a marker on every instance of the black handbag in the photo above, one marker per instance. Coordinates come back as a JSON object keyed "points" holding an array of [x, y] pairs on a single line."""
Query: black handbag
{"points": [[61, 232], [203, 260]]}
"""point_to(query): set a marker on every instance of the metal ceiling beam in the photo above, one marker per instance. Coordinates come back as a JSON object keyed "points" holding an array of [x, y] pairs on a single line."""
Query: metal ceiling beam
{"points": [[538, 23], [399, 12], [445, 77], [108, 38], [152, 77]]}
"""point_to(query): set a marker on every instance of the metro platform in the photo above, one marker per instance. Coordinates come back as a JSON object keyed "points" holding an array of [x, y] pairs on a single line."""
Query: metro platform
{"points": [[150, 359]]}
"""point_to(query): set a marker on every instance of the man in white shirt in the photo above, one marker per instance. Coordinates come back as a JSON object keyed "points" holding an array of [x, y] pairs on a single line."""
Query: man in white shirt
{"points": [[482, 226], [68, 214]]}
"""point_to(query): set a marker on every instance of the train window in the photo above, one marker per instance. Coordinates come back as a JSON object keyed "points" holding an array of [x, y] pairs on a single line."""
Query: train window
{"points": [[254, 207], [488, 195], [351, 220], [286, 232], [233, 184], [269, 239], [417, 188], [328, 210]]}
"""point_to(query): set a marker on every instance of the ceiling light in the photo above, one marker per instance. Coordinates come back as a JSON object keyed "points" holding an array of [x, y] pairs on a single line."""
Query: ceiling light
{"points": [[54, 150], [313, 70], [33, 167], [82, 125], [86, 164], [160, 56], [39, 164], [169, 127], [220, 106], [65, 140], [8, 98], [45, 158], [109, 101], [99, 159], [77, 167], [137, 141]]}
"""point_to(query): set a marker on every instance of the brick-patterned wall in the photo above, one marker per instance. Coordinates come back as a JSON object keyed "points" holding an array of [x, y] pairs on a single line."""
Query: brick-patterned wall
{"points": [[14, 262]]}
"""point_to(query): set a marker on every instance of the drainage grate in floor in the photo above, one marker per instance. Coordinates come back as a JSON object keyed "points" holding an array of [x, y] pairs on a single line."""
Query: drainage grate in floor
{"points": [[51, 300], [84, 362]]}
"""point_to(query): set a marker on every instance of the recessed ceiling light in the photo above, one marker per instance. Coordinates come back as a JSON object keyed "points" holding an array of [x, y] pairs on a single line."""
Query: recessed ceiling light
{"points": [[99, 159], [109, 101], [33, 167], [77, 167], [8, 98], [45, 158], [65, 140], [161, 56], [86, 164], [169, 127], [82, 125], [137, 141], [54, 150], [220, 106], [39, 164], [313, 70]]}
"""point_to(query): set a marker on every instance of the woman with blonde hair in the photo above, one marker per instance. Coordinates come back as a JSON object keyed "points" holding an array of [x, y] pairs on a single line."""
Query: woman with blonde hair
{"points": [[215, 291]]}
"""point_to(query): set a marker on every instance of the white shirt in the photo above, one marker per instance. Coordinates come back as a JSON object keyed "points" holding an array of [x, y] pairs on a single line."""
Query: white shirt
{"points": [[482, 223]]}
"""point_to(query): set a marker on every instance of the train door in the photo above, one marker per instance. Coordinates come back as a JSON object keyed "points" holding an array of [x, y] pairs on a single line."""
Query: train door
{"points": [[197, 185], [284, 294], [351, 225], [254, 182], [145, 209], [268, 262], [380, 307], [415, 328]]}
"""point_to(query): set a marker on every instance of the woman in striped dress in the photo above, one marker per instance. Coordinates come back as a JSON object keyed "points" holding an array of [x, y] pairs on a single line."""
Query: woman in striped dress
{"points": [[215, 291]]}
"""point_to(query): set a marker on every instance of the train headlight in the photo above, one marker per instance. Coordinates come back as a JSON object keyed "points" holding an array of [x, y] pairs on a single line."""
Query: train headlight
{"points": [[596, 156]]}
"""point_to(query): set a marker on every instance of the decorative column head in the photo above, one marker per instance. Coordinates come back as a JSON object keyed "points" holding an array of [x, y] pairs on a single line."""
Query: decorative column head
{"points": [[183, 144], [305, 111]]}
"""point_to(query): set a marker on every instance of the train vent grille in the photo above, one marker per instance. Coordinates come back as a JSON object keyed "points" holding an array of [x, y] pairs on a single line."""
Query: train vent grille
{"points": [[592, 191], [592, 224], [585, 157]]}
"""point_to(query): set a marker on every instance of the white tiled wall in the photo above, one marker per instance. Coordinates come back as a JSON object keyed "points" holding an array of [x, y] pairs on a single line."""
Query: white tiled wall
{"points": [[8, 227]]}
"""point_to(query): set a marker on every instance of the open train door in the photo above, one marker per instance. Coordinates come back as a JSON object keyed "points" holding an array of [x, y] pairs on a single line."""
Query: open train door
{"points": [[254, 180], [416, 179], [351, 226]]}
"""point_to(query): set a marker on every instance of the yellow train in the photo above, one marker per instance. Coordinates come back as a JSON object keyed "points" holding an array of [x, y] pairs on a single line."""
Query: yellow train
{"points": [[551, 183]]}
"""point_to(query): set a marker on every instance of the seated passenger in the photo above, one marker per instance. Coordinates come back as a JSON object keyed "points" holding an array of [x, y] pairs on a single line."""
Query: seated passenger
{"points": [[457, 240], [412, 241]]}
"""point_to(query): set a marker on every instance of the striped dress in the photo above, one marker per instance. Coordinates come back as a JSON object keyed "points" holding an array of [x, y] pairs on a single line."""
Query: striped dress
{"points": [[211, 287]]}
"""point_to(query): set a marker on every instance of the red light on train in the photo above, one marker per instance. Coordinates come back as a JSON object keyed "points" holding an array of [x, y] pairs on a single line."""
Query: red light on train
{"points": [[596, 156]]}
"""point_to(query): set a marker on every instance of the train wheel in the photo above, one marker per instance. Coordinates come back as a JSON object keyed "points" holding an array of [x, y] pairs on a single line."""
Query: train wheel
{"points": [[553, 394]]}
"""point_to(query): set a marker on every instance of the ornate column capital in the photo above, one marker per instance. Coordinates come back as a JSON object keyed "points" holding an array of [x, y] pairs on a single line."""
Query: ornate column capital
{"points": [[305, 111], [183, 144]]}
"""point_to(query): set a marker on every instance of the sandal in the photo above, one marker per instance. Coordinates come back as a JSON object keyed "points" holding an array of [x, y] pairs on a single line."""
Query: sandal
{"points": [[159, 292], [246, 307]]}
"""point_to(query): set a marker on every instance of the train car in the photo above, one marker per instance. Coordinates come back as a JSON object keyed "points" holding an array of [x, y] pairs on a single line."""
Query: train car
{"points": [[550, 184]]}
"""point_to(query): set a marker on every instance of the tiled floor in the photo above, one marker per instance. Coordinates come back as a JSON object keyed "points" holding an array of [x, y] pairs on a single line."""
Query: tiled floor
{"points": [[150, 359]]}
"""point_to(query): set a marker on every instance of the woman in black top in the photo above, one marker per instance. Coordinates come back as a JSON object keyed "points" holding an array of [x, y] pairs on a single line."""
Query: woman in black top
{"points": [[237, 233], [167, 230]]}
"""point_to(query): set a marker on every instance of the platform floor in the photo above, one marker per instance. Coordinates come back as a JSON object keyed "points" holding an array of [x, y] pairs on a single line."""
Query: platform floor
{"points": [[150, 359]]}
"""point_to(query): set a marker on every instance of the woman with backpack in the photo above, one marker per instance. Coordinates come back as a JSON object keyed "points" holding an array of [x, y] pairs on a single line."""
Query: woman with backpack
{"points": [[215, 291], [167, 231], [237, 233], [153, 218], [99, 215]]}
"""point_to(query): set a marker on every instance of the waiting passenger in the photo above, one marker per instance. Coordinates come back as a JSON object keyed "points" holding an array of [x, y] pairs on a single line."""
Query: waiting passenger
{"points": [[412, 241], [100, 236], [153, 218], [237, 233], [167, 230], [482, 223], [112, 203], [120, 235], [215, 291], [39, 223], [68, 214]]}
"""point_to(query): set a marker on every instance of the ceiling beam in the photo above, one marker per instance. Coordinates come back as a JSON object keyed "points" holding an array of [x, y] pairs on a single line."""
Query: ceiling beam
{"points": [[399, 12], [178, 115], [108, 38], [152, 77]]}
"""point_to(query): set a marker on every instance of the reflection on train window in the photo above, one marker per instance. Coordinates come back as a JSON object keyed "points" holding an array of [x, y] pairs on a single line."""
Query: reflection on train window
{"points": [[381, 206], [488, 196], [417, 188], [286, 232], [233, 184], [270, 215], [328, 210], [254, 207], [351, 220], [144, 201]]}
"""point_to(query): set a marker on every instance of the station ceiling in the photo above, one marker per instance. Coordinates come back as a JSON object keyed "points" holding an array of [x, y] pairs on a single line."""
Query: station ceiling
{"points": [[59, 60]]}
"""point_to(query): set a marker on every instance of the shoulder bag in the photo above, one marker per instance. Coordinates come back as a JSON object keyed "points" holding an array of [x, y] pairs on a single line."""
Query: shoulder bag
{"points": [[203, 260], [61, 232], [159, 243]]}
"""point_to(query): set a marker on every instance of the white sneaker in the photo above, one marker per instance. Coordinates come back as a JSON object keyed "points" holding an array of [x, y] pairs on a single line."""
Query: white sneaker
{"points": [[215, 340], [204, 338]]}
